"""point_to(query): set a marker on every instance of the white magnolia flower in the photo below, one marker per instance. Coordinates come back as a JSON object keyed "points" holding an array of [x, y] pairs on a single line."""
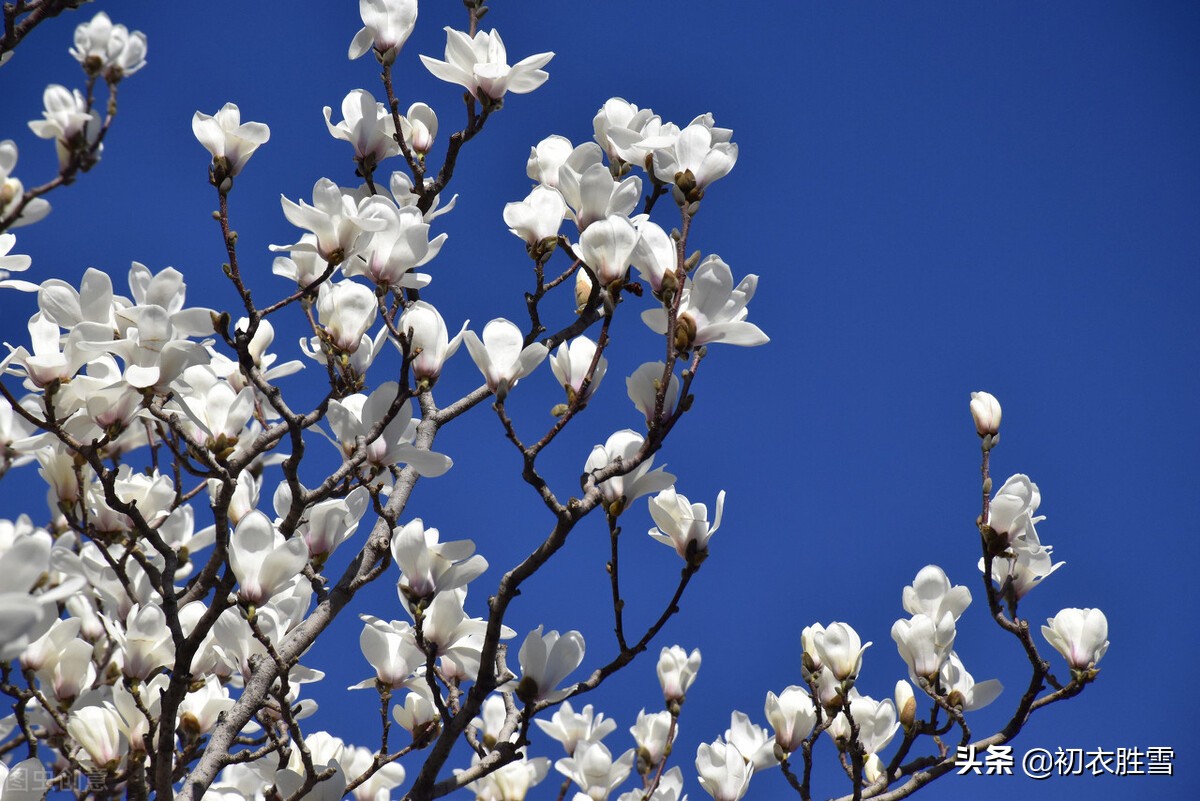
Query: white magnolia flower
{"points": [[838, 648], [546, 157], [619, 123], [924, 643], [1030, 563], [643, 387], [109, 50], [792, 715], [390, 256], [12, 191], [655, 255], [751, 740], [876, 721], [367, 125], [262, 560], [346, 310], [696, 151], [571, 728], [392, 650], [652, 733], [480, 64], [511, 782], [712, 309], [13, 264], [1080, 635], [230, 141], [341, 226], [502, 356], [429, 566], [547, 659], [931, 594], [429, 343], [571, 363], [684, 525], [97, 729], [593, 768], [387, 25], [419, 126], [1010, 513], [538, 216], [607, 247], [677, 670], [624, 488], [358, 415], [985, 410], [963, 690], [723, 773], [590, 190], [69, 122]]}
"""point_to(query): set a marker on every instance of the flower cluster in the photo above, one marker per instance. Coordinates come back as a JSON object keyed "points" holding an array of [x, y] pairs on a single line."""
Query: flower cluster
{"points": [[191, 551]]}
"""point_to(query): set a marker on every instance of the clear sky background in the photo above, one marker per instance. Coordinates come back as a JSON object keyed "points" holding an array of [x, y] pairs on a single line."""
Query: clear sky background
{"points": [[938, 197]]}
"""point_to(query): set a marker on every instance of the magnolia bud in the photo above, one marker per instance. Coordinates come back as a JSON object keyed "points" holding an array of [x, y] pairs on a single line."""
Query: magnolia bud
{"points": [[906, 704], [986, 411]]}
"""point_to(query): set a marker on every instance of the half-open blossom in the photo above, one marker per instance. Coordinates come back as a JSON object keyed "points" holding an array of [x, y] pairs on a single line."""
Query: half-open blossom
{"points": [[511, 782], [429, 344], [1080, 635], [502, 356], [593, 769], [262, 560], [723, 773], [677, 670], [1011, 513], [537, 217], [839, 649], [653, 735], [571, 363], [876, 721], [546, 157], [591, 191], [751, 740], [341, 225], [962, 689], [694, 160], [230, 141], [367, 125], [392, 650], [387, 24], [97, 729], [346, 310], [547, 659], [480, 65], [357, 415], [655, 256], [684, 525], [571, 728], [617, 123], [419, 127], [69, 122], [607, 247], [12, 191], [430, 566], [624, 488], [924, 643], [643, 387], [109, 50], [792, 715], [931, 594], [712, 309]]}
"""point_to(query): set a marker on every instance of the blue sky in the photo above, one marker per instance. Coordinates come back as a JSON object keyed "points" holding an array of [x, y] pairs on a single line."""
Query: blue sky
{"points": [[937, 197]]}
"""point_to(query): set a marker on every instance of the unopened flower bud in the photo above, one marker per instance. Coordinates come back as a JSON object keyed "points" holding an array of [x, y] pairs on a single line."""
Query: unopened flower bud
{"points": [[906, 704], [985, 409]]}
